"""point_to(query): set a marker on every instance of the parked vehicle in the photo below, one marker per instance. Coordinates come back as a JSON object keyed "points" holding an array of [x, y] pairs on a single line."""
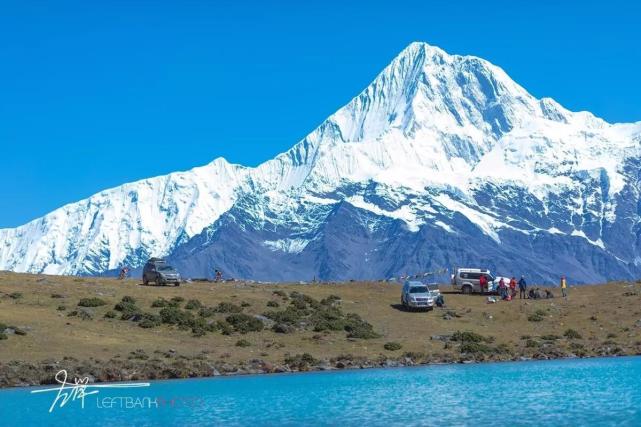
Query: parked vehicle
{"points": [[158, 271], [466, 280], [416, 295]]}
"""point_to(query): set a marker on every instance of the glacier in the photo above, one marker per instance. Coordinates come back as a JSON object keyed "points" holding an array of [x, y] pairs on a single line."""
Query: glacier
{"points": [[442, 161]]}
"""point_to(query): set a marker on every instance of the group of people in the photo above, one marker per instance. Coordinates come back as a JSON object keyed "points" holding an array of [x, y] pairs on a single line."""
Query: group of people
{"points": [[507, 291]]}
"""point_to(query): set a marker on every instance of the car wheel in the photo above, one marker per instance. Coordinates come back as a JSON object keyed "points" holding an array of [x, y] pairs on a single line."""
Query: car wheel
{"points": [[467, 290], [145, 281], [176, 283]]}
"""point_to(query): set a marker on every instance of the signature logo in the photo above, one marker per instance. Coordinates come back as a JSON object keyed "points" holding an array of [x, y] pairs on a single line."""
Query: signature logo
{"points": [[78, 390]]}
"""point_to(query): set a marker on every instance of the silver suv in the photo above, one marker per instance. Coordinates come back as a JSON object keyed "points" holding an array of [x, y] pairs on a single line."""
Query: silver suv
{"points": [[416, 295], [158, 271], [466, 280]]}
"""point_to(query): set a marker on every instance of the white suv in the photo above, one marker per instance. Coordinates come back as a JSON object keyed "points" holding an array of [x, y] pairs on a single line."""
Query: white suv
{"points": [[466, 280]]}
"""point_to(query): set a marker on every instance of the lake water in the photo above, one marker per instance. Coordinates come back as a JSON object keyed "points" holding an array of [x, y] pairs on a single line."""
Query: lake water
{"points": [[564, 392]]}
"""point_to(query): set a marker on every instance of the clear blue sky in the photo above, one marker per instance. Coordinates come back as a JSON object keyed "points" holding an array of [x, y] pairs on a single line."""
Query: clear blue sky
{"points": [[90, 90]]}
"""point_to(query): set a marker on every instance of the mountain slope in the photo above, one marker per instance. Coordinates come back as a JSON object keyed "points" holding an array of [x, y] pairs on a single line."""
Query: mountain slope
{"points": [[442, 160]]}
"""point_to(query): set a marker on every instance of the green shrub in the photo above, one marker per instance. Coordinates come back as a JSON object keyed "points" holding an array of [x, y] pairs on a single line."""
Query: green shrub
{"points": [[532, 344], [57, 296], [110, 314], [392, 346], [160, 303], [3, 336], [300, 361], [330, 300], [572, 334], [207, 312], [243, 343], [290, 315], [61, 307], [244, 323], [225, 327], [176, 316], [149, 320], [537, 316], [128, 299], [3, 327], [359, 328], [328, 319], [245, 304], [176, 301], [193, 304], [472, 347], [91, 302], [272, 304], [228, 307], [550, 337], [15, 295], [468, 336]]}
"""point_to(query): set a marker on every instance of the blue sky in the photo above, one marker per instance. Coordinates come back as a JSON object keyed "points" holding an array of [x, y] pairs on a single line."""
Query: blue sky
{"points": [[95, 94]]}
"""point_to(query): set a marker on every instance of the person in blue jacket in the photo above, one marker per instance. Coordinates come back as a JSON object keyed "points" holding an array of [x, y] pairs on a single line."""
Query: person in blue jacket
{"points": [[522, 288]]}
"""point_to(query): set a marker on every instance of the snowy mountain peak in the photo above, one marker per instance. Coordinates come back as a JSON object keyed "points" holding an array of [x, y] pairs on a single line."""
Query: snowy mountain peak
{"points": [[437, 143]]}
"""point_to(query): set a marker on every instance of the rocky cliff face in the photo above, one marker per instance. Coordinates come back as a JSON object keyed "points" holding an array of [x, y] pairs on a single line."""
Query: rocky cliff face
{"points": [[441, 161]]}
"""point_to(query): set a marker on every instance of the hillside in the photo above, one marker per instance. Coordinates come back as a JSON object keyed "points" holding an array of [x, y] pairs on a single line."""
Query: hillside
{"points": [[314, 328]]}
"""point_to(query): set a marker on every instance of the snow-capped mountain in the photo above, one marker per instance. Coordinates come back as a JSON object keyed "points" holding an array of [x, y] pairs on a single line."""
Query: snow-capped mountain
{"points": [[441, 161]]}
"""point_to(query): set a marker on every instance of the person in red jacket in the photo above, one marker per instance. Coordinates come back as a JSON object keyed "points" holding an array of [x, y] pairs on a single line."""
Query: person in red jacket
{"points": [[483, 283], [513, 286]]}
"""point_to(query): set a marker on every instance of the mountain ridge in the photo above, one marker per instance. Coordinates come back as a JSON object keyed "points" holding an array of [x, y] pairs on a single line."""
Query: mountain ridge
{"points": [[420, 144]]}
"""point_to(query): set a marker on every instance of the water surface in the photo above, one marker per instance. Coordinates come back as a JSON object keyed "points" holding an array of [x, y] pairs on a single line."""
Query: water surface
{"points": [[565, 392]]}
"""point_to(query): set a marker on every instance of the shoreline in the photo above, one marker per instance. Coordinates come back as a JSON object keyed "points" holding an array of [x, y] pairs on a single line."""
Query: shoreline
{"points": [[45, 371]]}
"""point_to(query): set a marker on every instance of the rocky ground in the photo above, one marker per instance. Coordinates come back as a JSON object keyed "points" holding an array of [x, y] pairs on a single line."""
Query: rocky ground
{"points": [[110, 330]]}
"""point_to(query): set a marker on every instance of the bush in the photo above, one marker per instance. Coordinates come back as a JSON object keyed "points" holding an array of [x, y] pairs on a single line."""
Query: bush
{"points": [[149, 320], [572, 334], [128, 299], [3, 327], [359, 328], [176, 316], [91, 302], [244, 323], [110, 314], [57, 296], [228, 307], [272, 304], [3, 336], [225, 327], [537, 316], [176, 301], [330, 300], [468, 336], [15, 295], [61, 307], [392, 346], [243, 343], [532, 344], [245, 304], [207, 312], [193, 304], [328, 319], [471, 347], [160, 303], [550, 337], [300, 361], [290, 315]]}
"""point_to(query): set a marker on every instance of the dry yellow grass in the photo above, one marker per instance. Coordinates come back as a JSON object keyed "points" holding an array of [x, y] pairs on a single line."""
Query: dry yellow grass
{"points": [[606, 316]]}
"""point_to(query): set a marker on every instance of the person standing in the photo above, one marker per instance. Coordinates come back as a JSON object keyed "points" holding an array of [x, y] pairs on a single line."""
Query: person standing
{"points": [[483, 283], [564, 287], [513, 287], [522, 288], [502, 288]]}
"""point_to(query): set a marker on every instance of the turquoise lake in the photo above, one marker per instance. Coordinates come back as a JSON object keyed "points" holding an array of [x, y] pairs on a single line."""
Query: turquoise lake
{"points": [[565, 392]]}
